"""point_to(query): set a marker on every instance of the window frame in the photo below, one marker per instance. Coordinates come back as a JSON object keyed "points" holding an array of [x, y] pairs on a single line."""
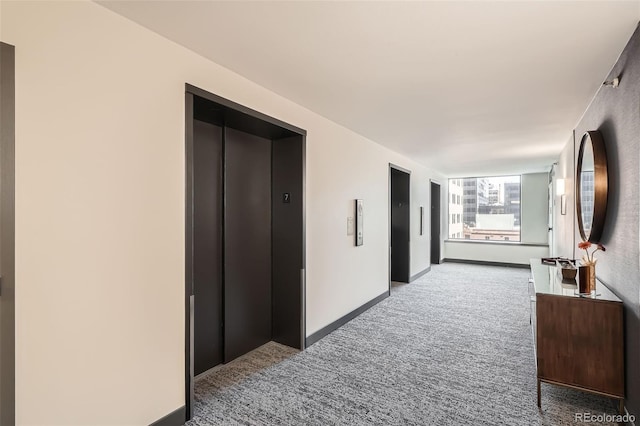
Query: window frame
{"points": [[463, 238]]}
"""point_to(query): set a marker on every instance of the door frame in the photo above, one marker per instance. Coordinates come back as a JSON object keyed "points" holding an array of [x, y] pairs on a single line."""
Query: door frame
{"points": [[403, 170], [238, 112], [433, 182], [7, 235]]}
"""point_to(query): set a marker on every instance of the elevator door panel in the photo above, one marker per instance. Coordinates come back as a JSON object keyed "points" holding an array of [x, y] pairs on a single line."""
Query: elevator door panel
{"points": [[435, 223], [247, 265], [207, 246], [287, 241], [7, 236], [400, 223]]}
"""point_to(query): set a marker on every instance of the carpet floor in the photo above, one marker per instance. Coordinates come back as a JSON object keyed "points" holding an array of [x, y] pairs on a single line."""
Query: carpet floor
{"points": [[452, 348]]}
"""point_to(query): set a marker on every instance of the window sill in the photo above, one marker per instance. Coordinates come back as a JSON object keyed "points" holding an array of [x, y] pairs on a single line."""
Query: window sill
{"points": [[500, 243]]}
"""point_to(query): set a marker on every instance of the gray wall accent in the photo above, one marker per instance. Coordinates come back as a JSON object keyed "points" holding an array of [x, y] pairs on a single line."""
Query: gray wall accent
{"points": [[7, 234], [615, 112], [175, 418]]}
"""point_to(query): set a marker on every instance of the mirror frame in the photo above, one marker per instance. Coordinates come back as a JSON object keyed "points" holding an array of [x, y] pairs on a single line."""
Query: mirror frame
{"points": [[600, 185]]}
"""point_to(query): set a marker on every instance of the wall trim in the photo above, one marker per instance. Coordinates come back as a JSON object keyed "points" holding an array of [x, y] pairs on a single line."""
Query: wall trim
{"points": [[487, 263], [242, 109], [310, 340], [419, 274], [175, 418], [402, 169]]}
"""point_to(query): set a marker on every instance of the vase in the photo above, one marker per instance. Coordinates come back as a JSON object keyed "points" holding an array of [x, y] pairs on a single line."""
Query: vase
{"points": [[587, 279]]}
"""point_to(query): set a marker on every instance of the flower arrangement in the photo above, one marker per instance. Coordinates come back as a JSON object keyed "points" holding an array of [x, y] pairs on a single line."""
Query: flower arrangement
{"points": [[588, 258]]}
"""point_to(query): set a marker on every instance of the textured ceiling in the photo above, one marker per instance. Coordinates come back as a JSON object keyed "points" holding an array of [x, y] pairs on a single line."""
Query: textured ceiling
{"points": [[467, 88]]}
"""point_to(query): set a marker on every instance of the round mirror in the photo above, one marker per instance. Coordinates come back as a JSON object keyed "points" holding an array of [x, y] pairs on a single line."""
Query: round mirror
{"points": [[591, 186]]}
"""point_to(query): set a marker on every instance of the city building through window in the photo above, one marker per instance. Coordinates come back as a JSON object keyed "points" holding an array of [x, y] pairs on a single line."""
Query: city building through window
{"points": [[489, 207]]}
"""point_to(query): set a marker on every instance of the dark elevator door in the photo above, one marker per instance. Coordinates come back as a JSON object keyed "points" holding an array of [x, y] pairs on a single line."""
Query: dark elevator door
{"points": [[435, 223], [400, 216], [247, 224], [207, 246], [7, 236]]}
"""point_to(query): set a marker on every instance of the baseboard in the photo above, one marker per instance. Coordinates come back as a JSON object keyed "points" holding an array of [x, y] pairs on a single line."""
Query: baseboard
{"points": [[176, 418], [488, 263], [419, 274], [310, 340]]}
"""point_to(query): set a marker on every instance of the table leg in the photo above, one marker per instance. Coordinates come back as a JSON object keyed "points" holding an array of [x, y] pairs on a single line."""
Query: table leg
{"points": [[539, 405], [621, 406]]}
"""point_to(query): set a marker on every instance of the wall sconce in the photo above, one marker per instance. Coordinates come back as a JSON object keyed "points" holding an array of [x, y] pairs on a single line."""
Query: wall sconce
{"points": [[560, 190], [613, 83]]}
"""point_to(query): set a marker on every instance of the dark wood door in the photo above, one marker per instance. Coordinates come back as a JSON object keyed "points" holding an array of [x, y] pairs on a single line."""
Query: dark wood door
{"points": [[435, 223], [207, 246], [7, 237], [400, 221], [247, 264]]}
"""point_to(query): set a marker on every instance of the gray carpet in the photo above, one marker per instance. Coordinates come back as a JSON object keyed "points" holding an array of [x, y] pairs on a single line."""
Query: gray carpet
{"points": [[453, 347]]}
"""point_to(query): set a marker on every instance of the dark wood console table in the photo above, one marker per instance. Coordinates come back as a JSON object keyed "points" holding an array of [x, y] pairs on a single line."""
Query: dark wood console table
{"points": [[579, 341]]}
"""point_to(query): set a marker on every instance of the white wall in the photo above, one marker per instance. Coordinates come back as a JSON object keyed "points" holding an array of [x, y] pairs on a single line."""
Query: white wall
{"points": [[493, 252], [533, 230], [100, 212], [340, 276], [565, 225], [534, 208], [420, 245]]}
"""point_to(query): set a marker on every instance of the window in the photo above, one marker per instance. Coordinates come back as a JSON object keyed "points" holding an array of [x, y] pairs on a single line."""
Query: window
{"points": [[485, 208]]}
